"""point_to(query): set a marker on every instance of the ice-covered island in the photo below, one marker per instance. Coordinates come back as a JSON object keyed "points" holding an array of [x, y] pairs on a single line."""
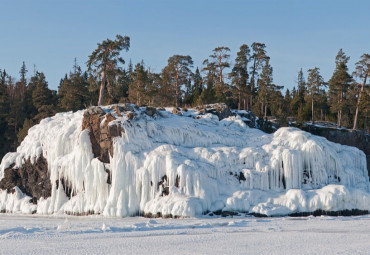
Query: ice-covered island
{"points": [[122, 160]]}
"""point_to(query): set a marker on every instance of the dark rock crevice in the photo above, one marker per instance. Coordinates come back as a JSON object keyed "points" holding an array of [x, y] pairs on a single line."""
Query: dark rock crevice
{"points": [[66, 187], [31, 179]]}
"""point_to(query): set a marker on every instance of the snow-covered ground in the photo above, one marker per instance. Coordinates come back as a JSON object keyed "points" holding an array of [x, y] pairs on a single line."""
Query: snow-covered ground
{"points": [[25, 234]]}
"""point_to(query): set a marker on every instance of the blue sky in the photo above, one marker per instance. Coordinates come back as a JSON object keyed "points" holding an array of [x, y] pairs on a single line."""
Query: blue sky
{"points": [[298, 34]]}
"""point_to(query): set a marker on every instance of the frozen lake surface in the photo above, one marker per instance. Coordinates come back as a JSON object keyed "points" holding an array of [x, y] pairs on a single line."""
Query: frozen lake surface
{"points": [[25, 234]]}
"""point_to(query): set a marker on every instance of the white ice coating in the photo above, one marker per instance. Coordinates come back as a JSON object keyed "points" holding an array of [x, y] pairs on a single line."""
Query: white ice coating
{"points": [[209, 165]]}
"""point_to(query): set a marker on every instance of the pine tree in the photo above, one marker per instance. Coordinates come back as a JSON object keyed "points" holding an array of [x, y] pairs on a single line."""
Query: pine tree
{"points": [[339, 85], [40, 102], [362, 72], [139, 85], [314, 84], [277, 105], [239, 73], [301, 84], [322, 103], [287, 103], [298, 103], [41, 95], [220, 58], [265, 87], [4, 114], [73, 90], [23, 73], [218, 62], [121, 88], [17, 113], [105, 59], [22, 133], [178, 70], [258, 58], [198, 87], [208, 95]]}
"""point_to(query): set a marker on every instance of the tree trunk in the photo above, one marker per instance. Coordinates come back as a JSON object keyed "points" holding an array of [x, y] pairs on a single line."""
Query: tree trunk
{"points": [[340, 110], [220, 72], [365, 123], [261, 109], [177, 90], [358, 103], [239, 101], [102, 87], [312, 109], [265, 111], [339, 122], [252, 83]]}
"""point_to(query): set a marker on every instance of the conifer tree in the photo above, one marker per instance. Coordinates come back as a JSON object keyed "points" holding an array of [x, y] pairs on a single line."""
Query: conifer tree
{"points": [[362, 72], [198, 87], [17, 113], [258, 58], [239, 73], [208, 95], [269, 95], [73, 90], [188, 92], [41, 95], [105, 60], [220, 58], [40, 102], [322, 103], [287, 103], [139, 86], [298, 100], [166, 89], [4, 113], [265, 87], [23, 72], [178, 70], [218, 62], [314, 84], [339, 85]]}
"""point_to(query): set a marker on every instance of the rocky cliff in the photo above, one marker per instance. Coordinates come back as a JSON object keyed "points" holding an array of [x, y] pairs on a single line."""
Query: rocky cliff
{"points": [[355, 138], [124, 160]]}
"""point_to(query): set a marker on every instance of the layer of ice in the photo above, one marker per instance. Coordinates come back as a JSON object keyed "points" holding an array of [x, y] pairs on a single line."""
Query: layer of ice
{"points": [[184, 166]]}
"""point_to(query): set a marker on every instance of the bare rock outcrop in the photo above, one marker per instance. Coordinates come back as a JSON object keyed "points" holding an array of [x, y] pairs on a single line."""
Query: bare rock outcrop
{"points": [[355, 138], [101, 132], [31, 179], [220, 109]]}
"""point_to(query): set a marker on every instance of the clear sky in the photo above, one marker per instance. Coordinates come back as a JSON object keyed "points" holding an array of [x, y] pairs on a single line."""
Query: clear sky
{"points": [[298, 34]]}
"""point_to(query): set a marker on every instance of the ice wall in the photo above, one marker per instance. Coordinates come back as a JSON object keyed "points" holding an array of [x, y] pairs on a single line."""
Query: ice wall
{"points": [[187, 165]]}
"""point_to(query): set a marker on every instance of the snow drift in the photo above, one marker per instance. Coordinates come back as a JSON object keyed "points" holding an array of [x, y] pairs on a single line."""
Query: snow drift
{"points": [[186, 164]]}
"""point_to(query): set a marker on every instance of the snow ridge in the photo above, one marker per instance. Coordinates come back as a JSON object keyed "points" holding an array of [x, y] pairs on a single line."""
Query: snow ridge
{"points": [[185, 166]]}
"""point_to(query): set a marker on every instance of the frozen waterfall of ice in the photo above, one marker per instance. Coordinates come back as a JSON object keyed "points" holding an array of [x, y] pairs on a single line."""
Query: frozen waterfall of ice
{"points": [[205, 165]]}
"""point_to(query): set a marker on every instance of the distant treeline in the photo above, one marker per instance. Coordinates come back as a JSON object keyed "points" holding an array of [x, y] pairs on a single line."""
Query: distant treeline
{"points": [[247, 84]]}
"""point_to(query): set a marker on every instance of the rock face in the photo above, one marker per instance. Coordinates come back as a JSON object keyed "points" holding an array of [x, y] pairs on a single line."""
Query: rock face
{"points": [[101, 136], [32, 179], [248, 117], [355, 138], [219, 109]]}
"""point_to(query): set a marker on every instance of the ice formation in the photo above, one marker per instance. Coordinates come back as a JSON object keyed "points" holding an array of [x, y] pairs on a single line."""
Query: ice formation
{"points": [[187, 165]]}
